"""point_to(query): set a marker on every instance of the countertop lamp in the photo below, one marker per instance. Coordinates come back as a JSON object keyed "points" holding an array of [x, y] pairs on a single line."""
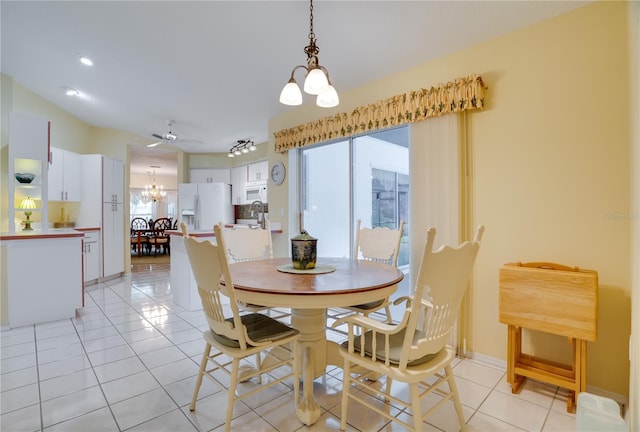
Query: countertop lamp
{"points": [[316, 81], [27, 204]]}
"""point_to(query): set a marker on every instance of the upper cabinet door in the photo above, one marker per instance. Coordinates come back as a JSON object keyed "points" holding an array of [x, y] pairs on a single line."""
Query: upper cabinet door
{"points": [[210, 175], [259, 171], [64, 175], [29, 136], [112, 180], [56, 174]]}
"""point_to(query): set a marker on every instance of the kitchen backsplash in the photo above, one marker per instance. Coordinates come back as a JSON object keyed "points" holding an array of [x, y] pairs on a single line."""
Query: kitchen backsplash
{"points": [[243, 211]]}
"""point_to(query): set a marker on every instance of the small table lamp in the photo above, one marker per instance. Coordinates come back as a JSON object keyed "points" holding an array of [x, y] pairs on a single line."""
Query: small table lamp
{"points": [[27, 204]]}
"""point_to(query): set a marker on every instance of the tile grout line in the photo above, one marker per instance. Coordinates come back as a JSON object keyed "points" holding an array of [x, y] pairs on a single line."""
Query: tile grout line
{"points": [[178, 407]]}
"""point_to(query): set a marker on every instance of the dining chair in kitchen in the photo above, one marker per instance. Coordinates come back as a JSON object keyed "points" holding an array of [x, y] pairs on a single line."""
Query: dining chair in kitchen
{"points": [[159, 238], [414, 351], [138, 239], [380, 244], [237, 337], [250, 244]]}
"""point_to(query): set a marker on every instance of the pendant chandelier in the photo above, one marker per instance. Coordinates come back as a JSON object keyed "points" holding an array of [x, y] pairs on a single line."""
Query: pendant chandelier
{"points": [[153, 192], [316, 80]]}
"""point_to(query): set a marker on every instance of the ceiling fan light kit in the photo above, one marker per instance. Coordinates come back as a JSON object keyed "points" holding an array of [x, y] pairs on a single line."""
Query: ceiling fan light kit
{"points": [[316, 80]]}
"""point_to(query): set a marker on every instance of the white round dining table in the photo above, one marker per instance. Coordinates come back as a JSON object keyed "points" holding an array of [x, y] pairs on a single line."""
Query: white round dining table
{"points": [[309, 294]]}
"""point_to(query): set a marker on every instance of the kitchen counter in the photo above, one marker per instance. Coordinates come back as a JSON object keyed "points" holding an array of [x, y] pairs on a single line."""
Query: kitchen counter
{"points": [[51, 233]]}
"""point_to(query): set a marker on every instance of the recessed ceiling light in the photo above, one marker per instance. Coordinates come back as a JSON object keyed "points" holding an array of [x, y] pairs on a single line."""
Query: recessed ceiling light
{"points": [[70, 91], [86, 61]]}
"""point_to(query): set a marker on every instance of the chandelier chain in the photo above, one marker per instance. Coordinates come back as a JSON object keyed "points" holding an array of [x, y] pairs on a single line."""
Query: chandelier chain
{"points": [[312, 35]]}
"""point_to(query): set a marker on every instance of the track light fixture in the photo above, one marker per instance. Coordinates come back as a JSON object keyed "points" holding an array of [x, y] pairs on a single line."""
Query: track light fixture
{"points": [[316, 81], [241, 147]]}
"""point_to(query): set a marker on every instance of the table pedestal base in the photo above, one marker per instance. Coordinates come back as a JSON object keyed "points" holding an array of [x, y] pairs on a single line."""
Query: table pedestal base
{"points": [[315, 353]]}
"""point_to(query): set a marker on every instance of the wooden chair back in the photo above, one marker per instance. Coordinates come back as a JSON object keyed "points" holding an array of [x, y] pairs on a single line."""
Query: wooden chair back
{"points": [[379, 244], [138, 223], [160, 225], [440, 286], [247, 244], [210, 267]]}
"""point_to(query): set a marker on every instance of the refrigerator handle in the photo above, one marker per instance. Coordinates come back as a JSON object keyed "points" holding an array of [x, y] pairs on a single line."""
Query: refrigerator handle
{"points": [[196, 219]]}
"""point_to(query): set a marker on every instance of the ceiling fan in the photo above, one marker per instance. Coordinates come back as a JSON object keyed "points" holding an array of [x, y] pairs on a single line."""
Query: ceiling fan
{"points": [[171, 138]]}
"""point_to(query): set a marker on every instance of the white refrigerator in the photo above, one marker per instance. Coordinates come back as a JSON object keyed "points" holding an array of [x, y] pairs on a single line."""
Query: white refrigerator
{"points": [[202, 205]]}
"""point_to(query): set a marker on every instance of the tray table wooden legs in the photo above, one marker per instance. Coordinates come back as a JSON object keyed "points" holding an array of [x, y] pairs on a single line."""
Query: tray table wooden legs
{"points": [[520, 366]]}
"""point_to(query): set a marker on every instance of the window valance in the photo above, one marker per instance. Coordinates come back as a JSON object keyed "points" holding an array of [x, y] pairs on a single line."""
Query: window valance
{"points": [[459, 95]]}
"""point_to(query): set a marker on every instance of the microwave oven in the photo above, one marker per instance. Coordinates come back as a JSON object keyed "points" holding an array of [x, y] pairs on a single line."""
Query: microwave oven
{"points": [[255, 192]]}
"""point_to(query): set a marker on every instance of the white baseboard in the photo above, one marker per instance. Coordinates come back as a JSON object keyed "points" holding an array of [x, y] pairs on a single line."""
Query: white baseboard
{"points": [[502, 364]]}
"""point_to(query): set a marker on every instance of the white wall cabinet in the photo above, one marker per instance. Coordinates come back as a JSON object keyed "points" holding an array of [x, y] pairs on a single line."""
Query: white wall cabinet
{"points": [[210, 175], [241, 176], [64, 175], [102, 206], [28, 153], [258, 171]]}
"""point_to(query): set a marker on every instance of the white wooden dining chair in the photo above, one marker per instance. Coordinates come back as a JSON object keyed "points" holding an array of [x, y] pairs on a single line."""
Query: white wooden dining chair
{"points": [[379, 244], [415, 351], [235, 336], [250, 244]]}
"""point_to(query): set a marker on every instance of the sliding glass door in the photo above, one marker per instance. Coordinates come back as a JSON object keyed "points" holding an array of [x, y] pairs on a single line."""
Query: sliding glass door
{"points": [[366, 178]]}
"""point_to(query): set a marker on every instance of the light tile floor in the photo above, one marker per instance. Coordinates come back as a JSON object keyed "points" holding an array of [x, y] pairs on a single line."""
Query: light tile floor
{"points": [[128, 362]]}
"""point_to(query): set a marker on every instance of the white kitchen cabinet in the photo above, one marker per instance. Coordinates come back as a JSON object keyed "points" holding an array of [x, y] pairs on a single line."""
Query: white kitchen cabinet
{"points": [[44, 276], [28, 153], [254, 176], [258, 171], [183, 284], [112, 239], [64, 175], [91, 249], [112, 180], [210, 175], [238, 181], [112, 216], [102, 206]]}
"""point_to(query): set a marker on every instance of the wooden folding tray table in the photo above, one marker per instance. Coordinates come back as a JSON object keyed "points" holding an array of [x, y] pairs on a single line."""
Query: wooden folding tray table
{"points": [[554, 299]]}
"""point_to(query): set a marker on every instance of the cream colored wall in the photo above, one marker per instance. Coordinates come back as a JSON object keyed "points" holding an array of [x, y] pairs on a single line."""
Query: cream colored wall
{"points": [[634, 114], [550, 160], [221, 160], [67, 132]]}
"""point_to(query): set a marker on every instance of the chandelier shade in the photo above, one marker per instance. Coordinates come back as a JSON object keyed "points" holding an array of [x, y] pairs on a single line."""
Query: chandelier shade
{"points": [[291, 94], [316, 80]]}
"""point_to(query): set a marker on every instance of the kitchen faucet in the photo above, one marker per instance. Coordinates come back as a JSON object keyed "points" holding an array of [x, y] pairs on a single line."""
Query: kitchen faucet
{"points": [[260, 216]]}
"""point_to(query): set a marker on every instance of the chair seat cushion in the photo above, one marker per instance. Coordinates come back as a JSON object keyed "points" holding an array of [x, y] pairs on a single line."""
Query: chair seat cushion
{"points": [[260, 328], [395, 347]]}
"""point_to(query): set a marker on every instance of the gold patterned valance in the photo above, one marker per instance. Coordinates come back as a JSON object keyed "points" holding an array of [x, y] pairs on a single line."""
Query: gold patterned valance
{"points": [[455, 96]]}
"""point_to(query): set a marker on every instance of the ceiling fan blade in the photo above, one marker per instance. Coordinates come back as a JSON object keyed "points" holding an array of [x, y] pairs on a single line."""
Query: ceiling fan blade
{"points": [[160, 137], [155, 144]]}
